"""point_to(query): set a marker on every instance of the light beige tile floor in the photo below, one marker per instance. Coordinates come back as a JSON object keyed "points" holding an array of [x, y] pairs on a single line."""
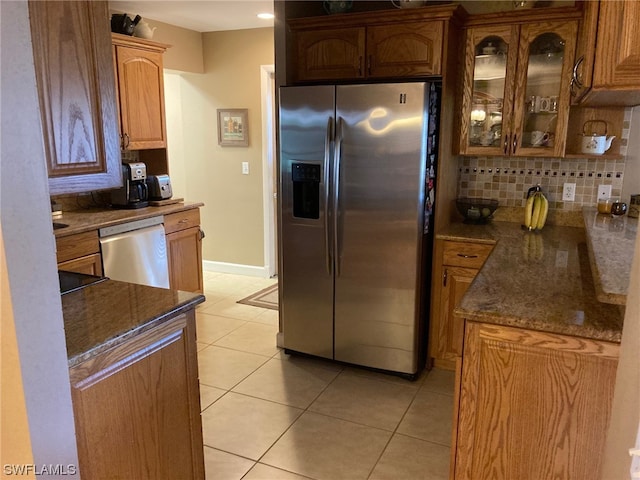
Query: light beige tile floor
{"points": [[267, 415]]}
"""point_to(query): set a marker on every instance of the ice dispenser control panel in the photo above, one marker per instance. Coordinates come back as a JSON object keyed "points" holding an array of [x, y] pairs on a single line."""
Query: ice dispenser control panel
{"points": [[306, 190]]}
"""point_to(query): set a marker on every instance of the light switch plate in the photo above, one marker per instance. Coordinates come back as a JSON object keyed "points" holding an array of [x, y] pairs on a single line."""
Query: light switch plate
{"points": [[245, 168]]}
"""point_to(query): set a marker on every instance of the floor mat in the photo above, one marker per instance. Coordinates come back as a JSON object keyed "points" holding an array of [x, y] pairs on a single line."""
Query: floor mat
{"points": [[265, 298]]}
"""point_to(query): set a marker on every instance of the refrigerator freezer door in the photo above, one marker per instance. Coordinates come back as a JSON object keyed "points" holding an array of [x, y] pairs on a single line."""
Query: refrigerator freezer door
{"points": [[380, 208], [306, 270]]}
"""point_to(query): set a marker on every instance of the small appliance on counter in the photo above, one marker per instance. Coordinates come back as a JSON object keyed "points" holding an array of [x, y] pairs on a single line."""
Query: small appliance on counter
{"points": [[134, 192], [159, 187]]}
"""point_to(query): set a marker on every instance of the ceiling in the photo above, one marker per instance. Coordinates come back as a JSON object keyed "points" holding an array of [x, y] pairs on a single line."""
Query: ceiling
{"points": [[200, 15]]}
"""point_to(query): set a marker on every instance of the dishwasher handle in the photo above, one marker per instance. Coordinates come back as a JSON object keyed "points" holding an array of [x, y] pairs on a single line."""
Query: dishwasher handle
{"points": [[131, 226]]}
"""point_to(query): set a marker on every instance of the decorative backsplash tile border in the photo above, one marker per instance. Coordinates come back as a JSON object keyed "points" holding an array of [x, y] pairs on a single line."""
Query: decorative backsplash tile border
{"points": [[508, 179]]}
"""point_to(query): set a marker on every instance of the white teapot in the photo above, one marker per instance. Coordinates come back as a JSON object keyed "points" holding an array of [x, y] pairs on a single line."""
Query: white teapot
{"points": [[408, 3], [143, 30], [594, 144]]}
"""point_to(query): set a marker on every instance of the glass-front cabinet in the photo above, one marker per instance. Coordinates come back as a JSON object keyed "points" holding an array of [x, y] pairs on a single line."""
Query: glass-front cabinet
{"points": [[517, 89]]}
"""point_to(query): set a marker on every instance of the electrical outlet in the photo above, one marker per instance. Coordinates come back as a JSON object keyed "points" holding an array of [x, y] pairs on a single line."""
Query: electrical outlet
{"points": [[245, 168], [604, 191], [569, 192]]}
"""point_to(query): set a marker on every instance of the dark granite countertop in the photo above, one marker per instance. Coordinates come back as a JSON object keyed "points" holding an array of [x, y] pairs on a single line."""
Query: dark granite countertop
{"points": [[106, 314], [538, 281], [79, 221]]}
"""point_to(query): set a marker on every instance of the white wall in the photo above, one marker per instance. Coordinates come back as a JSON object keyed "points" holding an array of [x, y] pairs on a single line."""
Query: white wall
{"points": [[30, 248], [232, 217]]}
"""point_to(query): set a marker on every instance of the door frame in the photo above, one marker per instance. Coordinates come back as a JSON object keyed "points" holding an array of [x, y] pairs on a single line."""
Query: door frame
{"points": [[269, 193]]}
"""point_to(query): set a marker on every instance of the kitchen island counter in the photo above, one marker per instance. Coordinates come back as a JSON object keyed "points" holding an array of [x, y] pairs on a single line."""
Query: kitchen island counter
{"points": [[611, 244], [105, 315], [134, 381], [536, 281]]}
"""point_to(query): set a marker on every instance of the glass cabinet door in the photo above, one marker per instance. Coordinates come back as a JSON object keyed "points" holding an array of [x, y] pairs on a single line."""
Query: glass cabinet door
{"points": [[543, 89], [488, 94]]}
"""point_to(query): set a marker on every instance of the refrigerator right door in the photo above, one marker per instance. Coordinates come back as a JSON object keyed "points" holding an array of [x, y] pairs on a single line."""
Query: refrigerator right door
{"points": [[306, 262], [381, 132]]}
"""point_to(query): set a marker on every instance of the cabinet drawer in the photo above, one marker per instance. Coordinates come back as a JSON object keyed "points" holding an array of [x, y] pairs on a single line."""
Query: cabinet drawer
{"points": [[175, 222], [78, 245], [465, 254]]}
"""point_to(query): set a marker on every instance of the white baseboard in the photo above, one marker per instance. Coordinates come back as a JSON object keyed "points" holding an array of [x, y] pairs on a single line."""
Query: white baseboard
{"points": [[235, 268]]}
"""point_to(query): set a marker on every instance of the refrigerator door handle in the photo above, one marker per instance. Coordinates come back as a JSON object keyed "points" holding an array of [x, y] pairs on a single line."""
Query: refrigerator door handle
{"points": [[336, 194], [327, 178]]}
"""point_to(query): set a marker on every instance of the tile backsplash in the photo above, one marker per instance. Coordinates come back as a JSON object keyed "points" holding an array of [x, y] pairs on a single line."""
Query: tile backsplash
{"points": [[508, 179]]}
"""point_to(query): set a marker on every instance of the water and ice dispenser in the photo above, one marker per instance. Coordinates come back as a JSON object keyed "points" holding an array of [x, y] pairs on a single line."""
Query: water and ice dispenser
{"points": [[306, 190]]}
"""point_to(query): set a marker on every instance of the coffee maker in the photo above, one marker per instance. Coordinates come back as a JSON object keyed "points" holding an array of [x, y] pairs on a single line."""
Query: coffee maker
{"points": [[134, 192]]}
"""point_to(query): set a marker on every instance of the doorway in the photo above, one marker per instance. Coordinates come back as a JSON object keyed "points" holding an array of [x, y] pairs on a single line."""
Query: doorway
{"points": [[269, 169]]}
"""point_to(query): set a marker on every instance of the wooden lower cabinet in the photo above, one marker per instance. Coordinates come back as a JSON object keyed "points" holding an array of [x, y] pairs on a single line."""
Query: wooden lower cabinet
{"points": [[137, 407], [184, 249], [457, 264], [89, 264], [532, 404], [80, 253]]}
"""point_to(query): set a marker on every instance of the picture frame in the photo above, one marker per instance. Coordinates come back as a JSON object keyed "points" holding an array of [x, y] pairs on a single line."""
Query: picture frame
{"points": [[233, 127]]}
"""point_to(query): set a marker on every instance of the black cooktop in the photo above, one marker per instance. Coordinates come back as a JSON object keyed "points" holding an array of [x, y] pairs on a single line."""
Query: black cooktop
{"points": [[72, 281]]}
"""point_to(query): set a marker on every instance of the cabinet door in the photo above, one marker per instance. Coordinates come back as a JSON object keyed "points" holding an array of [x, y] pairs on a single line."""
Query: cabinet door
{"points": [[330, 54], [184, 249], [405, 50], [74, 75], [137, 407], [543, 90], [582, 75], [487, 97], [533, 404], [141, 91], [616, 74], [89, 264], [456, 283]]}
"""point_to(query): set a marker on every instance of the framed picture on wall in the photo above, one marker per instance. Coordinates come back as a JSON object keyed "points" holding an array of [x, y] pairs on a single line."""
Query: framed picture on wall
{"points": [[233, 128]]}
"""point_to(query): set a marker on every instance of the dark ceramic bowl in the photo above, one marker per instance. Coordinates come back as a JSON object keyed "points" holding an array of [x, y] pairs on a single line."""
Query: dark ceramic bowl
{"points": [[476, 210]]}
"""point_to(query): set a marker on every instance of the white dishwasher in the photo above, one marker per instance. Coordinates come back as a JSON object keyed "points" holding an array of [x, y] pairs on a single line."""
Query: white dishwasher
{"points": [[136, 252]]}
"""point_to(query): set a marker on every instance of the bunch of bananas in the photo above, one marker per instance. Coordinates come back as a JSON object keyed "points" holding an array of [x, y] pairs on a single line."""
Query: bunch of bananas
{"points": [[535, 211]]}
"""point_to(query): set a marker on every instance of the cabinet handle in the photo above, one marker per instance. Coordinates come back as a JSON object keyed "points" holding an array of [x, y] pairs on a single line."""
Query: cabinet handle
{"points": [[369, 64], [126, 143], [575, 78], [184, 220], [515, 142], [506, 143], [463, 255], [202, 235], [360, 66], [444, 277]]}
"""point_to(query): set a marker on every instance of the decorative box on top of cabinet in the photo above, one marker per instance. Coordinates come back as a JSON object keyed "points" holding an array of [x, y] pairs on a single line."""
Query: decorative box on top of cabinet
{"points": [[382, 44], [516, 82], [457, 264], [607, 66], [74, 76], [140, 82]]}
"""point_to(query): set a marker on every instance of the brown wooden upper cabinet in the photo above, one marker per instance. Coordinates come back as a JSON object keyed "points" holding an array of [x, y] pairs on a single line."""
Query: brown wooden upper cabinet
{"points": [[607, 67], [516, 88], [374, 45], [74, 76], [140, 92]]}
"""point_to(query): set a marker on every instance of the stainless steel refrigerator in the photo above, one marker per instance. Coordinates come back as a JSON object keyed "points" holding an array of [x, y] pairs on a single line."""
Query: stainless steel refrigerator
{"points": [[357, 172]]}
